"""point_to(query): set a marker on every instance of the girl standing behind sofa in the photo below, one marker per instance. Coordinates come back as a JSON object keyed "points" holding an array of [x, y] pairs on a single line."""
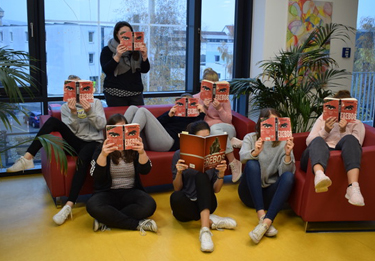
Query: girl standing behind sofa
{"points": [[119, 199], [123, 80], [268, 177], [194, 193]]}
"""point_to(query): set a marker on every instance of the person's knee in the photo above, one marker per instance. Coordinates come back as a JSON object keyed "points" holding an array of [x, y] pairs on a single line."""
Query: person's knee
{"points": [[288, 177]]}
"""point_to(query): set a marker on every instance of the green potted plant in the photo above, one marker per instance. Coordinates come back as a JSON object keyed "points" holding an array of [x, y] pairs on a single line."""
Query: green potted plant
{"points": [[299, 78], [15, 69]]}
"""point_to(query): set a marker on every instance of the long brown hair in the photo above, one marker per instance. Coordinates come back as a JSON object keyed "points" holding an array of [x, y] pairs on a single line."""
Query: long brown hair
{"points": [[266, 113], [342, 94], [127, 155]]}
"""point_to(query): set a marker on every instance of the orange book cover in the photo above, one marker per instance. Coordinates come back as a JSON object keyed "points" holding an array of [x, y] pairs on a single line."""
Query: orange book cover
{"points": [[187, 107], [132, 40], [81, 89], [124, 136], [218, 90], [202, 153], [275, 129], [345, 108]]}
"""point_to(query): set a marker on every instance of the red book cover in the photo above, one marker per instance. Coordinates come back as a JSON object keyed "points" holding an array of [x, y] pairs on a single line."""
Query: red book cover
{"points": [[202, 153], [124, 136], [131, 135], [132, 40], [70, 91], [138, 40], [115, 134], [81, 89], [275, 129], [86, 91], [218, 90], [345, 108], [187, 107]]}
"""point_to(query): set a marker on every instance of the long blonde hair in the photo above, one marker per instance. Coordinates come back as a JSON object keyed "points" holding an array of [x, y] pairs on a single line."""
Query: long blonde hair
{"points": [[211, 75]]}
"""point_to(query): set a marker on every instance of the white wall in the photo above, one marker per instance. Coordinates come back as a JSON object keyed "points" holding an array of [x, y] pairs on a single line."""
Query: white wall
{"points": [[270, 25]]}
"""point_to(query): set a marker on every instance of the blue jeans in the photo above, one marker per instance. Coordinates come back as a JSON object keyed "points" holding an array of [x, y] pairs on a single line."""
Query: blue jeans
{"points": [[271, 198]]}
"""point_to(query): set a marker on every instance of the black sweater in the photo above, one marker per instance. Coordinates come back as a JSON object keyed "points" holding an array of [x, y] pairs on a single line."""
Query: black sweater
{"points": [[128, 81], [174, 125]]}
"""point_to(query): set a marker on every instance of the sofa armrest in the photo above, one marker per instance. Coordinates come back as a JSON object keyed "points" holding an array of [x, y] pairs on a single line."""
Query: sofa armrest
{"points": [[299, 144], [242, 124]]}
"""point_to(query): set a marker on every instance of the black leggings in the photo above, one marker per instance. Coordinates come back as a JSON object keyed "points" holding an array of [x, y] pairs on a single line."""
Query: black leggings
{"points": [[121, 208], [84, 149], [185, 209]]}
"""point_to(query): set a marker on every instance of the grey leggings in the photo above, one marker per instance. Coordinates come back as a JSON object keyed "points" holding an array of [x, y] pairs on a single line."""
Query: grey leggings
{"points": [[155, 137]]}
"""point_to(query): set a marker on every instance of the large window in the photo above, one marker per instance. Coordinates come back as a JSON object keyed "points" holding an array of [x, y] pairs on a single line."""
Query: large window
{"points": [[363, 81], [217, 37], [68, 44], [13, 28]]}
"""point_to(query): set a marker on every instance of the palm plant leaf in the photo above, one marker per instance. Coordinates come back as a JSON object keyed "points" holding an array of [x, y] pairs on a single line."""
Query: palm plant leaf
{"points": [[297, 79], [15, 72]]}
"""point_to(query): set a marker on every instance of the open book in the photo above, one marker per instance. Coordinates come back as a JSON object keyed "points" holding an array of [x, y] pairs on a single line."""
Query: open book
{"points": [[132, 40], [82, 89], [124, 136], [202, 153], [187, 107], [345, 108], [275, 129], [218, 90]]}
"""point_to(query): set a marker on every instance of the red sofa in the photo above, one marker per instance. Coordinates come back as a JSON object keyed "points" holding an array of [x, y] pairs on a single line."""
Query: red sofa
{"points": [[332, 205], [59, 184]]}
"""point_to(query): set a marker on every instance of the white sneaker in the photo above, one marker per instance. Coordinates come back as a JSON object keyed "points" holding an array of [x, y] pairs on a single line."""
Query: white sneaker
{"points": [[97, 225], [63, 214], [236, 169], [322, 182], [222, 222], [258, 232], [206, 241], [354, 196], [147, 224], [272, 231], [21, 164]]}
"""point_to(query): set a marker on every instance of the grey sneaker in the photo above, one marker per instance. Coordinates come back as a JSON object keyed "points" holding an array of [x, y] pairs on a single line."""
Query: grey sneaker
{"points": [[147, 225], [272, 231], [206, 241], [21, 164], [354, 196], [258, 232], [63, 214], [222, 222], [99, 226]]}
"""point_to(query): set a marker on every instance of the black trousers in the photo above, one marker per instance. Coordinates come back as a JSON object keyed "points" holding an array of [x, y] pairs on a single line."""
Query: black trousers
{"points": [[121, 208], [84, 150], [114, 101], [185, 209]]}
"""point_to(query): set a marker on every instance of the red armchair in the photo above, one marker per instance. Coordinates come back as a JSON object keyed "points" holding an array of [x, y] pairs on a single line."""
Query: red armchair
{"points": [[332, 205], [161, 174]]}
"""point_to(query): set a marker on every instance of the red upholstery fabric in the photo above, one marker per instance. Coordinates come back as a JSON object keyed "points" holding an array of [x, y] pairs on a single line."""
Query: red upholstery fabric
{"points": [[332, 205], [161, 174]]}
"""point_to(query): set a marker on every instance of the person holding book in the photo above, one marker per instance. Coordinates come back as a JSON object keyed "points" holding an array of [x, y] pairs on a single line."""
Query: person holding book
{"points": [[219, 117], [81, 126], [123, 83], [119, 199], [161, 133], [268, 176], [327, 135], [194, 193]]}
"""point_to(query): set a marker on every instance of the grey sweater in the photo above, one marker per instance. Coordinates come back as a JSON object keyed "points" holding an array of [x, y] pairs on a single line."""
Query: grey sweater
{"points": [[271, 159], [86, 126]]}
